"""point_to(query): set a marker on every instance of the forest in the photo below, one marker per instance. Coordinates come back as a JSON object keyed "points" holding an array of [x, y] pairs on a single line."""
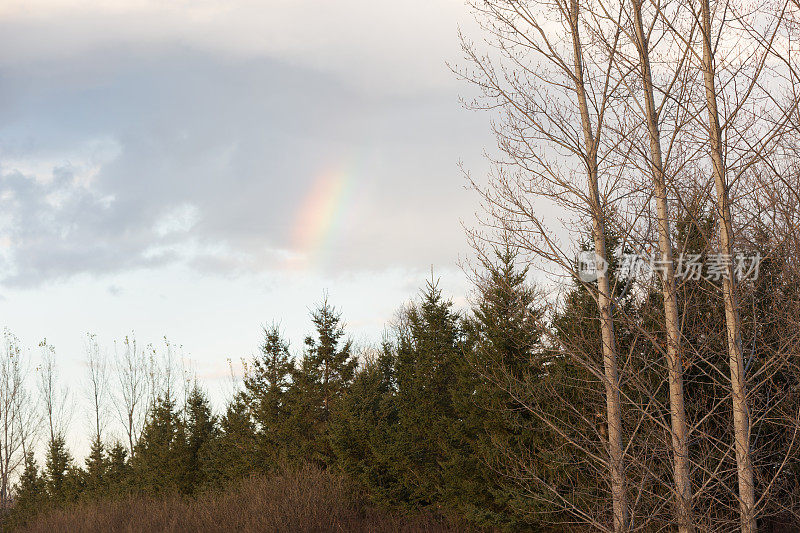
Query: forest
{"points": [[630, 356]]}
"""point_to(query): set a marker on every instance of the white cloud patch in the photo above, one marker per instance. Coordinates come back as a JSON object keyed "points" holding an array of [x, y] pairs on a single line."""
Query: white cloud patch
{"points": [[180, 219]]}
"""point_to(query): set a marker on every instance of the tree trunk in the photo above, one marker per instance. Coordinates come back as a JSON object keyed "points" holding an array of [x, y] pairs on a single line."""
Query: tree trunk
{"points": [[680, 447], [741, 414], [611, 381]]}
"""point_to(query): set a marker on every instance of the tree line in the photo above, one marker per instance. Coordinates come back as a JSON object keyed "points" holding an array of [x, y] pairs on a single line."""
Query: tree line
{"points": [[488, 414]]}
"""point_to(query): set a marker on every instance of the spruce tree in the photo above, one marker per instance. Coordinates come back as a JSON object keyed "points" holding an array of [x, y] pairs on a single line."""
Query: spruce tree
{"points": [[364, 429], [507, 360], [429, 352], [160, 459], [57, 470], [118, 472], [233, 453], [326, 370], [31, 492], [330, 355], [201, 430], [265, 386], [96, 468]]}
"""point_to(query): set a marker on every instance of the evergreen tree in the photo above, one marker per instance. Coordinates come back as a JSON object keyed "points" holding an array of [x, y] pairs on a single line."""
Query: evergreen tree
{"points": [[96, 468], [326, 370], [161, 456], [330, 356], [429, 352], [201, 429], [233, 454], [57, 470], [118, 472], [364, 429], [31, 491], [266, 385], [508, 361]]}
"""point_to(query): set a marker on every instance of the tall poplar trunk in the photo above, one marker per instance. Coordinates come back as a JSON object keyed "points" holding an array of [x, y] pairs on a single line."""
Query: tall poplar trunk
{"points": [[613, 403], [680, 447], [741, 414]]}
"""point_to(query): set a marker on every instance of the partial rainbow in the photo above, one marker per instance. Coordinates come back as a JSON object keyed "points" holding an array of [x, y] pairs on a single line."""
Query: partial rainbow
{"points": [[320, 214]]}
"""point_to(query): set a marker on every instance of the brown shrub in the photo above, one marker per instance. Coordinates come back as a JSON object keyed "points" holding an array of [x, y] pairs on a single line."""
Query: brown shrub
{"points": [[305, 500]]}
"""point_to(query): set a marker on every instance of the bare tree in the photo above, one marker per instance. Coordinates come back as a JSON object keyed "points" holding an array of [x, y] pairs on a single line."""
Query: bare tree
{"points": [[555, 104], [18, 420], [55, 399], [736, 141], [653, 115], [97, 388], [130, 401]]}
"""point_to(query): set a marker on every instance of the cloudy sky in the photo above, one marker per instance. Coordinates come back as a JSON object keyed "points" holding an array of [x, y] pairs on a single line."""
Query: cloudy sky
{"points": [[196, 168]]}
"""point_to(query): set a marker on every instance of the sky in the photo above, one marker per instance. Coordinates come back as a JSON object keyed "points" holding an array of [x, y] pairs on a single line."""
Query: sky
{"points": [[198, 168]]}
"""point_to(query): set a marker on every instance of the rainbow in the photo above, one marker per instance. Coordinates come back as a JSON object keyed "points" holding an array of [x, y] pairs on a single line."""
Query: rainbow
{"points": [[319, 215]]}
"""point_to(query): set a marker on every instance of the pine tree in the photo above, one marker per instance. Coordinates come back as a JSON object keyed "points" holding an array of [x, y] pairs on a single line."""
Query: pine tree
{"points": [[429, 351], [57, 470], [326, 370], [266, 385], [31, 491], [96, 468], [201, 429], [161, 457], [233, 454]]}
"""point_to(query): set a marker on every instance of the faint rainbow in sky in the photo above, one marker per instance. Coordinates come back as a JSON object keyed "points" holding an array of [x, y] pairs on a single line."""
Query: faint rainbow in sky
{"points": [[320, 214]]}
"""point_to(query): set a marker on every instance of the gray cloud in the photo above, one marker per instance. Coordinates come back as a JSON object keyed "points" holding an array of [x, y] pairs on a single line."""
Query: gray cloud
{"points": [[103, 154]]}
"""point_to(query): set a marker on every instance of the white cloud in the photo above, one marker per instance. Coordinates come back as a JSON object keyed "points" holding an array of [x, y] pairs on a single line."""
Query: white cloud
{"points": [[378, 45], [179, 219]]}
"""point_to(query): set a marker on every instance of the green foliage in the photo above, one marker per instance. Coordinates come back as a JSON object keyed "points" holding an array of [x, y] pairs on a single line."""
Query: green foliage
{"points": [[508, 363], [455, 412], [266, 385], [364, 430], [118, 470], [95, 476], [429, 356], [161, 457], [59, 471], [326, 370], [31, 491], [201, 430], [234, 453]]}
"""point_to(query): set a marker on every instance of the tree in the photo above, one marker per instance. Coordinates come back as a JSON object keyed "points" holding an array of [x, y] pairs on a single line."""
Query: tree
{"points": [[653, 118], [97, 386], [118, 471], [97, 465], [330, 355], [364, 429], [201, 430], [326, 370], [234, 453], [428, 344], [31, 491], [266, 384], [555, 90], [58, 471], [130, 400], [507, 356], [18, 418], [160, 459], [55, 400]]}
